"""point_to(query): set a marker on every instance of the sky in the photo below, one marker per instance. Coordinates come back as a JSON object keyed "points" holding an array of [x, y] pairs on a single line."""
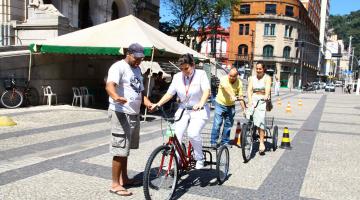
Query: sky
{"points": [[342, 7], [337, 7]]}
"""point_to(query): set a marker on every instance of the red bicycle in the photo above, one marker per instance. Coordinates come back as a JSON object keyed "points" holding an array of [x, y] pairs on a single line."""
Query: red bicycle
{"points": [[168, 161]]}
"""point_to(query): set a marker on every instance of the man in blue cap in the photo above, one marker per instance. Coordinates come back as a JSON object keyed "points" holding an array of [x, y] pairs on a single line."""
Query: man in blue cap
{"points": [[124, 86]]}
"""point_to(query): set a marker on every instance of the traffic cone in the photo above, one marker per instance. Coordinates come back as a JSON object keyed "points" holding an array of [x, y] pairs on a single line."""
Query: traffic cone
{"points": [[279, 102], [300, 102], [236, 140], [6, 121], [285, 142], [288, 107]]}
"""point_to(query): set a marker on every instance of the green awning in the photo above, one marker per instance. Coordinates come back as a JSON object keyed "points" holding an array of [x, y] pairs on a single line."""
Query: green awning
{"points": [[82, 50]]}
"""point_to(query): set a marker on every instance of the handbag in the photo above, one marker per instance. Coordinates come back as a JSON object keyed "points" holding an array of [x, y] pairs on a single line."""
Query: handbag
{"points": [[269, 105]]}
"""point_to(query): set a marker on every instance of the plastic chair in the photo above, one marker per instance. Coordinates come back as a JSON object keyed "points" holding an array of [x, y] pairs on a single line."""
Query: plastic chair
{"points": [[48, 93], [77, 96], [86, 95]]}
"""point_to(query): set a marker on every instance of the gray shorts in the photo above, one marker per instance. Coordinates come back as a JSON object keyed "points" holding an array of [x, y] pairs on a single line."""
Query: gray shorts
{"points": [[125, 133]]}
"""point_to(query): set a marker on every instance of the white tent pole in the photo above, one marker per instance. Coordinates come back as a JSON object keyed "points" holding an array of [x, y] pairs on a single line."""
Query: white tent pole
{"points": [[149, 77], [174, 65]]}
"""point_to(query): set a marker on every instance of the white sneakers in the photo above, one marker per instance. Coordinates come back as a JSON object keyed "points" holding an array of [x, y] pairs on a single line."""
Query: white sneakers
{"points": [[199, 164]]}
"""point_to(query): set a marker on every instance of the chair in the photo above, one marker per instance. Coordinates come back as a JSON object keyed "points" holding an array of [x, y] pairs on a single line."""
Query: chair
{"points": [[77, 96], [48, 93], [86, 95]]}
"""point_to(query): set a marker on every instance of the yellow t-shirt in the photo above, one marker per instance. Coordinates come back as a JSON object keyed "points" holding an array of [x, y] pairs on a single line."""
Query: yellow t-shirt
{"points": [[223, 97]]}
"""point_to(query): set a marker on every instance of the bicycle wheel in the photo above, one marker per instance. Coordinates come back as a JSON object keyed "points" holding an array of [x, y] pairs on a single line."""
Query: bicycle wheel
{"points": [[275, 138], [11, 99], [222, 164], [246, 142], [160, 179]]}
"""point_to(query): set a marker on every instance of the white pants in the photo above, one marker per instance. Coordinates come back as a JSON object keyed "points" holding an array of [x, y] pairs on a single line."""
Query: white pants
{"points": [[193, 127]]}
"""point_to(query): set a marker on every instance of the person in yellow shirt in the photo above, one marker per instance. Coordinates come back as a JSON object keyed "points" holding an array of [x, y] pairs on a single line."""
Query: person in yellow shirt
{"points": [[230, 89]]}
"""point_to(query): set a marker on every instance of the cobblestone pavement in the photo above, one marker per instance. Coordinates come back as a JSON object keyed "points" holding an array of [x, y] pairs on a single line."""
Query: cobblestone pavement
{"points": [[61, 152]]}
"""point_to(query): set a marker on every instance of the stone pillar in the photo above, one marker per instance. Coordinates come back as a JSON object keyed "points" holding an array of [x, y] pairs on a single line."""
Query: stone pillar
{"points": [[278, 70]]}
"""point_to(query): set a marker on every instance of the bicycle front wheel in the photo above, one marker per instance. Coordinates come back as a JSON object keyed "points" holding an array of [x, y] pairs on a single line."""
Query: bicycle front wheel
{"points": [[11, 99], [160, 174], [222, 164], [246, 142]]}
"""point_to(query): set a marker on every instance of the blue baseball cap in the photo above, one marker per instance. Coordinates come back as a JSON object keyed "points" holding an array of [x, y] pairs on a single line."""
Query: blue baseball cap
{"points": [[137, 50]]}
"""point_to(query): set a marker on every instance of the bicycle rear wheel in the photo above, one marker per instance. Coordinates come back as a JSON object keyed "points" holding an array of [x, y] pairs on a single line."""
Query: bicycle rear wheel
{"points": [[11, 99], [247, 141], [160, 174], [275, 138], [222, 164]]}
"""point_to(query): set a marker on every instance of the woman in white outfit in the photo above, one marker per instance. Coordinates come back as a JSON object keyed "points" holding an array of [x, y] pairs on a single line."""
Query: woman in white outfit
{"points": [[193, 89], [259, 88]]}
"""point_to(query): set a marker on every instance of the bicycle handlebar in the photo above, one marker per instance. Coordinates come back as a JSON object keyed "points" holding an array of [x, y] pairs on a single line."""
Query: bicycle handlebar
{"points": [[166, 116], [257, 103]]}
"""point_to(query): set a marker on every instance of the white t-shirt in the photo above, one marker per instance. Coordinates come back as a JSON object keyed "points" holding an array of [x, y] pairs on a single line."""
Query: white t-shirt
{"points": [[129, 85], [194, 86]]}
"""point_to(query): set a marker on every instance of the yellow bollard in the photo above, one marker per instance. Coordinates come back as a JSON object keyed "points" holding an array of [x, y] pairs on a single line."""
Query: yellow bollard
{"points": [[288, 108], [285, 142], [279, 102], [300, 102], [6, 121]]}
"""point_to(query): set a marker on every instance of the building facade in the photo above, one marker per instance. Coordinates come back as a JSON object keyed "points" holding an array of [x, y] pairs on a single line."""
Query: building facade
{"points": [[279, 33], [26, 21]]}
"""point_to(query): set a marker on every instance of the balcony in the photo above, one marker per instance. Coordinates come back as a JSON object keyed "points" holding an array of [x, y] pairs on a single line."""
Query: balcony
{"points": [[277, 59]]}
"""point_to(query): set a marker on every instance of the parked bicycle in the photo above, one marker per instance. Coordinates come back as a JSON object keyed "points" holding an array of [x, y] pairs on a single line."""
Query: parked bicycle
{"points": [[169, 161], [249, 134], [15, 96]]}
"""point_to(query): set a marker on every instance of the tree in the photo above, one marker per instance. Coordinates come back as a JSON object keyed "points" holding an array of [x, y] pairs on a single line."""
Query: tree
{"points": [[189, 14], [346, 25]]}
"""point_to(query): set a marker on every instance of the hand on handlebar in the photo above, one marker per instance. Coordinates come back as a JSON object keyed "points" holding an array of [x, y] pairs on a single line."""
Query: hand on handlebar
{"points": [[154, 107], [198, 106]]}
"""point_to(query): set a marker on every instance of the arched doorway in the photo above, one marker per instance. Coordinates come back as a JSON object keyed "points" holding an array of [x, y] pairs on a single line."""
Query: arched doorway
{"points": [[84, 14], [114, 11]]}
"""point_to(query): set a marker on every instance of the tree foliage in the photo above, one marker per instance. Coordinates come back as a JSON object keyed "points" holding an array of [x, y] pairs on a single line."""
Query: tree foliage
{"points": [[346, 25], [189, 14]]}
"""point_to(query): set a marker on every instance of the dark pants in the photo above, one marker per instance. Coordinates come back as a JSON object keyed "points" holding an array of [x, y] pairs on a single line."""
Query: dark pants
{"points": [[222, 114]]}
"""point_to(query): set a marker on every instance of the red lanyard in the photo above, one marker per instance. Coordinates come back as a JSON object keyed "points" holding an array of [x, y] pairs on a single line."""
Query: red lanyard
{"points": [[187, 88]]}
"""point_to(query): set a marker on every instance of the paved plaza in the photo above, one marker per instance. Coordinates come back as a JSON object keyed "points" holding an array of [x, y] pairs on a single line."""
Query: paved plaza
{"points": [[61, 152]]}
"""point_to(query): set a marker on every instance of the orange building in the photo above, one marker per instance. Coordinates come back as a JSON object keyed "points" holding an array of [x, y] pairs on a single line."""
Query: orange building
{"points": [[268, 31]]}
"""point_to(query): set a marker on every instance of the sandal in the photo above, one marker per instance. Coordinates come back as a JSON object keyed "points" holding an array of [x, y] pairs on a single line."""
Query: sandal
{"points": [[121, 192]]}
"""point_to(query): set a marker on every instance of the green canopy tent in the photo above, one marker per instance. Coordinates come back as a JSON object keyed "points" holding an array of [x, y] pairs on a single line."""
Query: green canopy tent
{"points": [[113, 38]]}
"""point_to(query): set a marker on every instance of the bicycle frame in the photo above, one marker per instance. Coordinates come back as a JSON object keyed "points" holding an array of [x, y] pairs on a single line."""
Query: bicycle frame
{"points": [[184, 159]]}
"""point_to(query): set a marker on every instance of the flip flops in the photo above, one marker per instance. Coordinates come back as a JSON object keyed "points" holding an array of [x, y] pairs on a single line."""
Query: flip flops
{"points": [[121, 192]]}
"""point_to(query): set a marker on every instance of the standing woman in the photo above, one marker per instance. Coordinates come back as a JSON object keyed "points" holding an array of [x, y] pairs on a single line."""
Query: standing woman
{"points": [[193, 89], [259, 88]]}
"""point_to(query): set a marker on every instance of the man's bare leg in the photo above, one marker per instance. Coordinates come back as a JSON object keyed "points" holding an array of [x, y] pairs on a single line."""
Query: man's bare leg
{"points": [[117, 168]]}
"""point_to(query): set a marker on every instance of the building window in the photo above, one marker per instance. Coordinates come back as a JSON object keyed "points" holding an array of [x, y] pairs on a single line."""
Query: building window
{"points": [[270, 8], [286, 52], [289, 11], [85, 20], [268, 51], [243, 49], [269, 29], [288, 31], [245, 9], [244, 29]]}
